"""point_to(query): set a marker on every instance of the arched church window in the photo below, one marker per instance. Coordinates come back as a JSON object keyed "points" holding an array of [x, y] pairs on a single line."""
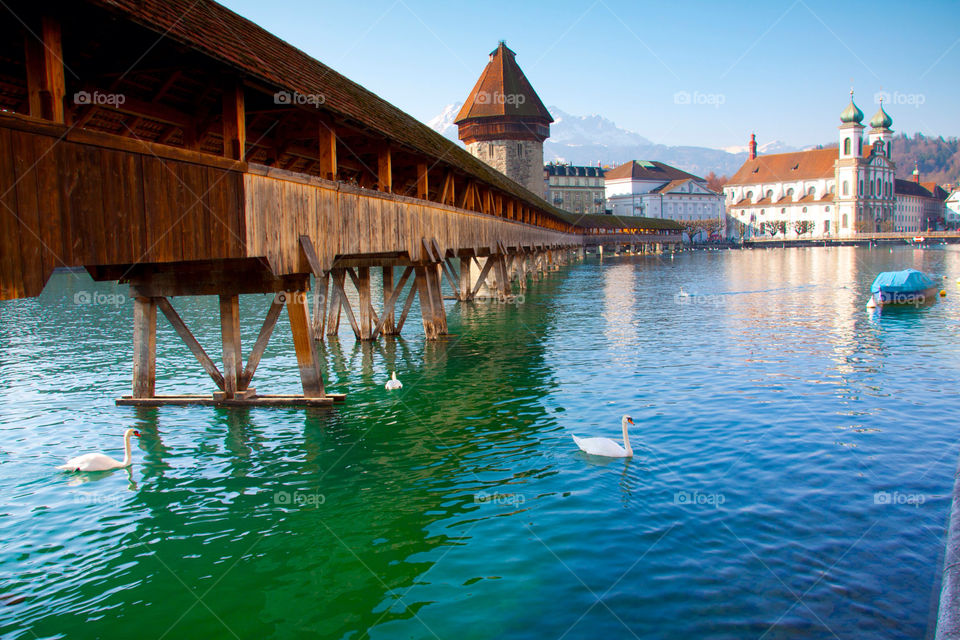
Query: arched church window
{"points": [[846, 146], [860, 188], [769, 193], [860, 147], [846, 188], [790, 192], [846, 222], [811, 191]]}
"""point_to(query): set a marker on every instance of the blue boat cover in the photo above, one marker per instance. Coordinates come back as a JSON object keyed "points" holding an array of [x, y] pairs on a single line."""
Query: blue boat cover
{"points": [[906, 281]]}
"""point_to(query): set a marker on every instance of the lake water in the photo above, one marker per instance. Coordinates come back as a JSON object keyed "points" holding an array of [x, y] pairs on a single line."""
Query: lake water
{"points": [[794, 459]]}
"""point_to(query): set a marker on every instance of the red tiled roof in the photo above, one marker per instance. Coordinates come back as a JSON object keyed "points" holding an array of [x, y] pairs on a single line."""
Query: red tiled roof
{"points": [[784, 167], [222, 35], [503, 90], [649, 171], [936, 191]]}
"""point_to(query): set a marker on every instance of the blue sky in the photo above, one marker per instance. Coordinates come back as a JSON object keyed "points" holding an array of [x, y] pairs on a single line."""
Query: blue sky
{"points": [[681, 72]]}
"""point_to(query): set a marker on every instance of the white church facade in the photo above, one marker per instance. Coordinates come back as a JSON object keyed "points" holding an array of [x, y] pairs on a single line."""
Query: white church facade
{"points": [[818, 193]]}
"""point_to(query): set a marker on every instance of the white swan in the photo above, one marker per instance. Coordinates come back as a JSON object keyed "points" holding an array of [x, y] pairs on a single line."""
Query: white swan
{"points": [[393, 383], [101, 462], [606, 446]]}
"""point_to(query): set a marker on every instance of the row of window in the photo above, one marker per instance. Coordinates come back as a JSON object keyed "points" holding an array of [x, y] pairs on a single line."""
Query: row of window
{"points": [[784, 211], [564, 181]]}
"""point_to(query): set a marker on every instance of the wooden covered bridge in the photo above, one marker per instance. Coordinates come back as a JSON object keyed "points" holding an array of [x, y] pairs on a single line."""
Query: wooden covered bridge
{"points": [[177, 147]]}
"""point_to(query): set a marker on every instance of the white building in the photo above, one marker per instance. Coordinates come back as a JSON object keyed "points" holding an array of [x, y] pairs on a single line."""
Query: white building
{"points": [[657, 190], [952, 215], [911, 204], [821, 192]]}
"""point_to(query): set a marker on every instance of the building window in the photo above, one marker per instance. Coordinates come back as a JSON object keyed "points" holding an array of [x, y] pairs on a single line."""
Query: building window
{"points": [[811, 191], [845, 221], [846, 188], [519, 150], [769, 193], [859, 153], [846, 146], [790, 192], [860, 188], [826, 226]]}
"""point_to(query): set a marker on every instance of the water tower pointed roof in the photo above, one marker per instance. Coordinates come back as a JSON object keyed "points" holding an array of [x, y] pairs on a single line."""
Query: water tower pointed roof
{"points": [[503, 91]]}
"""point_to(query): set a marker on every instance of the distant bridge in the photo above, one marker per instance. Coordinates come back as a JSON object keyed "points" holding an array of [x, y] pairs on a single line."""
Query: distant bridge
{"points": [[177, 147], [863, 238]]}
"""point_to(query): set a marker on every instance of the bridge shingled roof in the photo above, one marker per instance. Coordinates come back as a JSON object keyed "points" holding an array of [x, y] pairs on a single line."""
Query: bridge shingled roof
{"points": [[215, 31]]}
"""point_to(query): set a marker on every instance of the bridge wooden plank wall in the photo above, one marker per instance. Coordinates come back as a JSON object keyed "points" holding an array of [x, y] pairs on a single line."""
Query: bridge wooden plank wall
{"points": [[344, 221], [72, 201]]}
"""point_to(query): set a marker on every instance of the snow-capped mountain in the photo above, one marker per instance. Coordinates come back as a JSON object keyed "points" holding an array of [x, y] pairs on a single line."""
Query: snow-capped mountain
{"points": [[443, 122], [590, 130], [593, 139], [774, 146]]}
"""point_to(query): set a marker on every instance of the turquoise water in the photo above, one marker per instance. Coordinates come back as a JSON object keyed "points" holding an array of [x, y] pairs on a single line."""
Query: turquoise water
{"points": [[794, 458]]}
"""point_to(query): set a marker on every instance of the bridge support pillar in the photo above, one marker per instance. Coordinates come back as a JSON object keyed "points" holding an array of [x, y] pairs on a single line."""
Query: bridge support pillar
{"points": [[230, 336], [310, 377], [503, 279], [339, 277], [144, 347], [427, 281], [389, 322], [466, 282], [321, 293], [365, 302], [153, 286]]}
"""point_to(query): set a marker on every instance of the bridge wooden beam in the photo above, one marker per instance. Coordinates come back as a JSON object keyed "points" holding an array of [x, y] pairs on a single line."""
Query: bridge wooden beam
{"points": [[423, 181], [389, 303], [188, 338], [46, 84], [385, 168], [266, 330], [447, 194], [234, 122], [327, 148]]}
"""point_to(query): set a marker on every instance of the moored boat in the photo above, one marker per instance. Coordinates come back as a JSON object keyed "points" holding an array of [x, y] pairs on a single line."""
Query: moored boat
{"points": [[908, 286]]}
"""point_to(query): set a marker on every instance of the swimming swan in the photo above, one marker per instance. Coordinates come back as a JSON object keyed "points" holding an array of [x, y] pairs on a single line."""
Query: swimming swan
{"points": [[393, 383], [101, 462], [606, 446]]}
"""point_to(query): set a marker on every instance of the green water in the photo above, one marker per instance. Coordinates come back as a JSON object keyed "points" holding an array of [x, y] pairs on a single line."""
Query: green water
{"points": [[794, 458]]}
